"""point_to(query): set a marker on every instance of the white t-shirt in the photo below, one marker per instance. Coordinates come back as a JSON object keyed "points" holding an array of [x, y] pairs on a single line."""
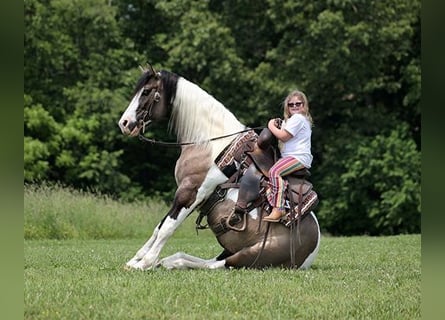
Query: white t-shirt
{"points": [[299, 146]]}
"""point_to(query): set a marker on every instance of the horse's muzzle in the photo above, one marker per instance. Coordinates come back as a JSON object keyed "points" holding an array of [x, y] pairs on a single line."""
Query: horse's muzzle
{"points": [[129, 127]]}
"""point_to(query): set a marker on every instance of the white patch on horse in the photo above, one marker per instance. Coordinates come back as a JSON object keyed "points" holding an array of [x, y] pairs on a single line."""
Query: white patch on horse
{"points": [[181, 260], [130, 113], [310, 259], [197, 116], [213, 178]]}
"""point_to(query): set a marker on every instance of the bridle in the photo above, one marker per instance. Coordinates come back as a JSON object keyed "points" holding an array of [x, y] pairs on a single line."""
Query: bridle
{"points": [[146, 114]]}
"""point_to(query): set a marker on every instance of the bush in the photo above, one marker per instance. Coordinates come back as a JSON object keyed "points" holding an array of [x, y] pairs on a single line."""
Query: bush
{"points": [[379, 190]]}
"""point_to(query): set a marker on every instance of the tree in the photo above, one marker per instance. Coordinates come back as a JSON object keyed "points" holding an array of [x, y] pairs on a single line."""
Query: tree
{"points": [[75, 60], [379, 189], [358, 62]]}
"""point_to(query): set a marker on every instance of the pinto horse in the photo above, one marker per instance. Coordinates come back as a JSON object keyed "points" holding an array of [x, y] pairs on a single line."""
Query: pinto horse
{"points": [[205, 129]]}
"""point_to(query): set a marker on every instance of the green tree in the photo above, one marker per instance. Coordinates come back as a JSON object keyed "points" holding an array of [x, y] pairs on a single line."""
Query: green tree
{"points": [[358, 61], [75, 66], [359, 64], [379, 189], [202, 49], [41, 141]]}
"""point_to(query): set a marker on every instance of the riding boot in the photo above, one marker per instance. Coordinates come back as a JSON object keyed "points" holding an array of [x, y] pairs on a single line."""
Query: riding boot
{"points": [[275, 215]]}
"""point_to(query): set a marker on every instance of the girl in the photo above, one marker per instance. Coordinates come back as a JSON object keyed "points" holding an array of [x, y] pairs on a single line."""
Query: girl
{"points": [[294, 136]]}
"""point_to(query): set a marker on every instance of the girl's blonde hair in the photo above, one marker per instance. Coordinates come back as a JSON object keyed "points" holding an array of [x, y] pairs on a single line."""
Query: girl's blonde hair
{"points": [[302, 96]]}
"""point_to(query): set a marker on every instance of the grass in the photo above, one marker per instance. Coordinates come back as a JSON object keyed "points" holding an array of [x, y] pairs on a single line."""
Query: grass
{"points": [[54, 212], [83, 278]]}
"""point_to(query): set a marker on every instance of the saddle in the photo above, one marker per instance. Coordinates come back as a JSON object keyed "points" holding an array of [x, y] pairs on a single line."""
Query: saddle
{"points": [[253, 157], [299, 192]]}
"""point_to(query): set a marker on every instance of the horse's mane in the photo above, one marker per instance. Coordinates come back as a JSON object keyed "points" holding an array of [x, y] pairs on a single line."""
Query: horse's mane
{"points": [[170, 82], [197, 116]]}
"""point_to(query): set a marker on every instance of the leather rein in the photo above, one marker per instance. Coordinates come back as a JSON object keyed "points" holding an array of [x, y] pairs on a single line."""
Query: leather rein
{"points": [[178, 144], [148, 112]]}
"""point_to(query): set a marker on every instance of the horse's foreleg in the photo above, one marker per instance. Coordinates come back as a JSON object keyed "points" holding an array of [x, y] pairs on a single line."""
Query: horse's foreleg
{"points": [[184, 197], [151, 250], [187, 197], [143, 251]]}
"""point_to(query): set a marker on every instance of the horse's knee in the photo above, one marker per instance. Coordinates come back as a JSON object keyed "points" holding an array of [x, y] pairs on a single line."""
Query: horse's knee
{"points": [[186, 194], [184, 198]]}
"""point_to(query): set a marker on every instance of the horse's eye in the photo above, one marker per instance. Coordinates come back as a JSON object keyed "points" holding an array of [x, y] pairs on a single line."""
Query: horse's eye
{"points": [[145, 92]]}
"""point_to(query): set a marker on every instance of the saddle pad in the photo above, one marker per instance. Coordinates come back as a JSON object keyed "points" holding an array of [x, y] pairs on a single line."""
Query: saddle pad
{"points": [[309, 202], [228, 154]]}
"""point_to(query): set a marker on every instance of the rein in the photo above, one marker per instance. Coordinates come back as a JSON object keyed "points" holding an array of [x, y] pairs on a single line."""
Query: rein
{"points": [[178, 144]]}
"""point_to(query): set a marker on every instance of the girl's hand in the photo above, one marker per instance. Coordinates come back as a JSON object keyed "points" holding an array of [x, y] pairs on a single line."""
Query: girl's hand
{"points": [[275, 123], [281, 134], [271, 124]]}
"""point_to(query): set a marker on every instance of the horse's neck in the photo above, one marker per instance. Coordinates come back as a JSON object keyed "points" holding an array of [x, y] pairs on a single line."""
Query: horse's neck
{"points": [[198, 117]]}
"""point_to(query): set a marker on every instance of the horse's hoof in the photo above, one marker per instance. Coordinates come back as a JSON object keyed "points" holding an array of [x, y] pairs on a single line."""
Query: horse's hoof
{"points": [[128, 268]]}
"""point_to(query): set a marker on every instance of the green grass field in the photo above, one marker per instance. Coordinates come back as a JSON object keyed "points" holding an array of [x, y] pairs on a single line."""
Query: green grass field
{"points": [[79, 274]]}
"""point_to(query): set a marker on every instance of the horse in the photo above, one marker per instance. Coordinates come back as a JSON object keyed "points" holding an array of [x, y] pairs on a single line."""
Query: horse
{"points": [[205, 130]]}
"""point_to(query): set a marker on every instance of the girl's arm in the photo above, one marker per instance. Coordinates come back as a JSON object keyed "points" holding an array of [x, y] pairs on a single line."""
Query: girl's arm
{"points": [[281, 134]]}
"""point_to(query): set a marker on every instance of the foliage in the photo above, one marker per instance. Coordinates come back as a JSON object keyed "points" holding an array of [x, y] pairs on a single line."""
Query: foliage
{"points": [[40, 142], [377, 190], [358, 62], [74, 57]]}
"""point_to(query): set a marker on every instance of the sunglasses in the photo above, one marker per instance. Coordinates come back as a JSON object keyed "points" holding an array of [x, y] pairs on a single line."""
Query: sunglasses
{"points": [[296, 104]]}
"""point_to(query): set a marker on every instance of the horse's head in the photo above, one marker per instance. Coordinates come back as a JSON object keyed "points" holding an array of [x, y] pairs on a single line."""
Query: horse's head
{"points": [[148, 103]]}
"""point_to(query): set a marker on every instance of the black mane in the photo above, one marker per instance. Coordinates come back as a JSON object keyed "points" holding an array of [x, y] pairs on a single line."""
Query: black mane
{"points": [[170, 83]]}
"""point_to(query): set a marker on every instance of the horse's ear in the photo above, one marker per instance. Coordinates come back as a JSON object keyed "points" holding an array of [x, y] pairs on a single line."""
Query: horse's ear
{"points": [[147, 67], [151, 68]]}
